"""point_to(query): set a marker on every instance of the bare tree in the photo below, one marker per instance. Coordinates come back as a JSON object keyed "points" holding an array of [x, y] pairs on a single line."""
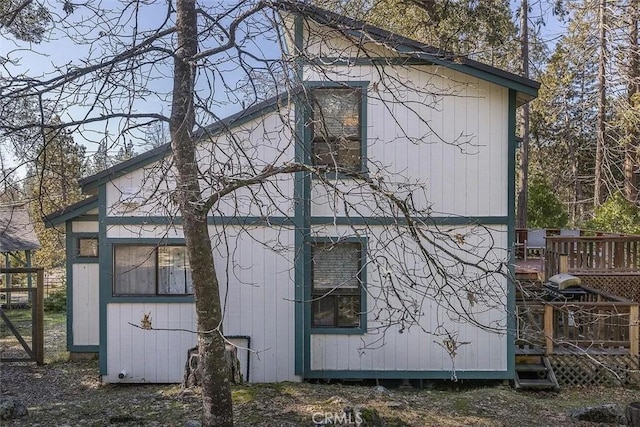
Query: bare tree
{"points": [[192, 49]]}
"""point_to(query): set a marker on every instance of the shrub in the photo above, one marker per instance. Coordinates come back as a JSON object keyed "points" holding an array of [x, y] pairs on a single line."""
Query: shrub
{"points": [[544, 209], [616, 215], [56, 301]]}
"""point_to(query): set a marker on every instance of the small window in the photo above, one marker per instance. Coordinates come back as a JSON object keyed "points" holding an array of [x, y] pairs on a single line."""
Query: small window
{"points": [[336, 285], [337, 120], [87, 247], [151, 270]]}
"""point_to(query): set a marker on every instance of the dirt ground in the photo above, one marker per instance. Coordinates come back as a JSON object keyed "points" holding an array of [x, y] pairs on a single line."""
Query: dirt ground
{"points": [[63, 393]]}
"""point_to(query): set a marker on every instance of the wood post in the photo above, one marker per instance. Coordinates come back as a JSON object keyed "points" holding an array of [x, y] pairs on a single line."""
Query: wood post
{"points": [[38, 338], [563, 263], [634, 330], [548, 328]]}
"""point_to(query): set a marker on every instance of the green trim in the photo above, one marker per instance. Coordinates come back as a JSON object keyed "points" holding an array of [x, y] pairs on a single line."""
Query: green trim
{"points": [[69, 267], [511, 229], [72, 247], [315, 220], [83, 349], [441, 375], [211, 220], [362, 329], [104, 283], [144, 241], [421, 58], [434, 220], [159, 153], [74, 211], [184, 299], [299, 196], [364, 142]]}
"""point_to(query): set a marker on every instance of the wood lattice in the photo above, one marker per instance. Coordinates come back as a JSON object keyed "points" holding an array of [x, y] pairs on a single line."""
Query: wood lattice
{"points": [[625, 286], [595, 370]]}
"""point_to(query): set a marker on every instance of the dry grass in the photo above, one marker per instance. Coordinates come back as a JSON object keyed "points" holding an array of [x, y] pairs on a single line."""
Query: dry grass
{"points": [[69, 393]]}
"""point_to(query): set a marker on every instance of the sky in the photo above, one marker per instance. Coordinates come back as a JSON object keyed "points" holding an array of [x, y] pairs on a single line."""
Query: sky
{"points": [[62, 51]]}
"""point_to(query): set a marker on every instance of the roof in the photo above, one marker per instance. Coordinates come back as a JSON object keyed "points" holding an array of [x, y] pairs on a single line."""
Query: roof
{"points": [[71, 211], [16, 229], [411, 48], [147, 157]]}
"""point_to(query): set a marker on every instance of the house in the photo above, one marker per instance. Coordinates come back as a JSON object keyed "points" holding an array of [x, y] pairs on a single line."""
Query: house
{"points": [[314, 267]]}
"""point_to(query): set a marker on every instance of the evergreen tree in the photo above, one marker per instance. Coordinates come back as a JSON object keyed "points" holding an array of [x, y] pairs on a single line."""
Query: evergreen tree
{"points": [[53, 185]]}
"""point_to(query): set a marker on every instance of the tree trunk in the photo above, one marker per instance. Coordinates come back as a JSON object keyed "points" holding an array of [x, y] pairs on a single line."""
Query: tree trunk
{"points": [[524, 146], [216, 392], [631, 145], [598, 191]]}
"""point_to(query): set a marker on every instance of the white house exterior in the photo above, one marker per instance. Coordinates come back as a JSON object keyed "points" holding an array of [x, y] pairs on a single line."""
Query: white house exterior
{"points": [[125, 244]]}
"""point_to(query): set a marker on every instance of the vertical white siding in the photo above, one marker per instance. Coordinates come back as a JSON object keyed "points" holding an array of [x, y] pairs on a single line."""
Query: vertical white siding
{"points": [[148, 355], [85, 321], [84, 227], [258, 290], [415, 350], [442, 129]]}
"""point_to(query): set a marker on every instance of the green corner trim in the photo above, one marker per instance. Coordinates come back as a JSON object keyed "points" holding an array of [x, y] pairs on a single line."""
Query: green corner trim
{"points": [[104, 281], [69, 267], [511, 229], [441, 375]]}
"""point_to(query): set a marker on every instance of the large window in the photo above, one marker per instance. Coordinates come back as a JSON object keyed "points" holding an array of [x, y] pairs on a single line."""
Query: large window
{"points": [[151, 270], [337, 124], [336, 285]]}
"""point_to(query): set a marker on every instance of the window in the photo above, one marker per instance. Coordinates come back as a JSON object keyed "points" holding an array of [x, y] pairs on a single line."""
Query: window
{"points": [[336, 285], [337, 120], [151, 270], [88, 247]]}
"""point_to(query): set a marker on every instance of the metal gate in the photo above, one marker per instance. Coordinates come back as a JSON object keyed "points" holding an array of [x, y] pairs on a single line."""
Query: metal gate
{"points": [[35, 351]]}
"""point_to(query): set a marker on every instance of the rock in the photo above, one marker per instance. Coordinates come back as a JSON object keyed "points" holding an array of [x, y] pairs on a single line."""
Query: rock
{"points": [[607, 414], [337, 400], [367, 417], [394, 404], [380, 390], [11, 408], [193, 423]]}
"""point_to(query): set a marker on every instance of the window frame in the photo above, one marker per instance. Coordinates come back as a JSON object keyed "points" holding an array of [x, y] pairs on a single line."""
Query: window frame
{"points": [[78, 250], [361, 291], [361, 87], [156, 285]]}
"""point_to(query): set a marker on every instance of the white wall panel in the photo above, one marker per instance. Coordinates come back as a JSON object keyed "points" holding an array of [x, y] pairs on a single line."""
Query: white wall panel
{"points": [[84, 226], [148, 355], [85, 321], [389, 350]]}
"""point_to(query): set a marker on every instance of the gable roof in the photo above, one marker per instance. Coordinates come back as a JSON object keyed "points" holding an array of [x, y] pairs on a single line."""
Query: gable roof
{"points": [[91, 182], [16, 230], [71, 211], [413, 48]]}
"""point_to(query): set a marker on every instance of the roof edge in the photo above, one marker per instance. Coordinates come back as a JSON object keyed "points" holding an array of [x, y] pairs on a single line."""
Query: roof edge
{"points": [[70, 212]]}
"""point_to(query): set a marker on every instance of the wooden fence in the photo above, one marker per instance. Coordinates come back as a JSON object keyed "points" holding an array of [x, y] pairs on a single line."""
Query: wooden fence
{"points": [[35, 351], [597, 322]]}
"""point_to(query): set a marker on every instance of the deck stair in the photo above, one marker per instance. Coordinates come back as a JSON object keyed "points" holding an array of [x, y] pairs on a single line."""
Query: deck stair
{"points": [[535, 373]]}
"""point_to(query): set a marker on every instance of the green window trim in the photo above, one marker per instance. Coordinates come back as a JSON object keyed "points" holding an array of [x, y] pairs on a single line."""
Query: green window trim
{"points": [[159, 270], [361, 87], [361, 328]]}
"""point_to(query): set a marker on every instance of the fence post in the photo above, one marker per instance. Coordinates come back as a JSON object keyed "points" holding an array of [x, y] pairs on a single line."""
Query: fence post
{"points": [[563, 263], [548, 328], [634, 329], [38, 340]]}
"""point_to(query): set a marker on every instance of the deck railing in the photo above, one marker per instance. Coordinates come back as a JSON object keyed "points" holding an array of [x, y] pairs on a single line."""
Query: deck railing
{"points": [[606, 254], [596, 322]]}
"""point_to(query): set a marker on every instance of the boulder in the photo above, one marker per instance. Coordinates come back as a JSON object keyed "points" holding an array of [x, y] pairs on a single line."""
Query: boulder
{"points": [[11, 408], [606, 414]]}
